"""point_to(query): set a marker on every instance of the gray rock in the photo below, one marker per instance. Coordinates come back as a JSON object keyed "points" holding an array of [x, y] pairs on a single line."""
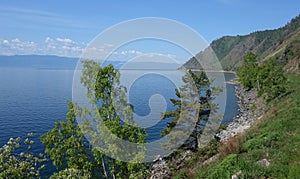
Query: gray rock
{"points": [[237, 175], [264, 162], [246, 117], [157, 158]]}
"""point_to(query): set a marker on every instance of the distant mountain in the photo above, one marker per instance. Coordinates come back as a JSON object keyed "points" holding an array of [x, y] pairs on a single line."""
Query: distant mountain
{"points": [[38, 62], [282, 44], [45, 62], [56, 62]]}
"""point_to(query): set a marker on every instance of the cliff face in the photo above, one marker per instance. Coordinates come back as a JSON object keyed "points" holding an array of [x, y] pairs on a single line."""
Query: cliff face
{"points": [[282, 44]]}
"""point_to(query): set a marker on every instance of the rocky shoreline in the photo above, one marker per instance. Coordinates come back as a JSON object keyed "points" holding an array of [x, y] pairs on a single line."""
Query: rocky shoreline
{"points": [[251, 109]]}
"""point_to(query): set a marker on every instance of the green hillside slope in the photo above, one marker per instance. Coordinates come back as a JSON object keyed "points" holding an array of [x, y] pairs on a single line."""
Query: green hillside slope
{"points": [[269, 149], [282, 44]]}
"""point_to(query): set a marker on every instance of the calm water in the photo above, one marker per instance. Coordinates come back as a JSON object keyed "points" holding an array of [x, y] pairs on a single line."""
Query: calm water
{"points": [[32, 99]]}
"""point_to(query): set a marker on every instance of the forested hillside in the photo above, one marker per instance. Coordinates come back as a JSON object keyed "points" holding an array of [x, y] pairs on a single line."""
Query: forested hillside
{"points": [[282, 44]]}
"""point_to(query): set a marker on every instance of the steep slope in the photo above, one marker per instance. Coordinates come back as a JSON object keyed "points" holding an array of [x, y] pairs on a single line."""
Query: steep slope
{"points": [[271, 149], [282, 44]]}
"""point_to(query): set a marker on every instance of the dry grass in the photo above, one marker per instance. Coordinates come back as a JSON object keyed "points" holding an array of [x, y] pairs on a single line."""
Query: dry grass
{"points": [[230, 146]]}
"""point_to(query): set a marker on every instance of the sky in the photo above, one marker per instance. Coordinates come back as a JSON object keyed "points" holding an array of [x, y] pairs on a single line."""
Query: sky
{"points": [[65, 28]]}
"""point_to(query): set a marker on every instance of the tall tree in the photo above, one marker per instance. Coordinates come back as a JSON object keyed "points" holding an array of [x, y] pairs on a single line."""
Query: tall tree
{"points": [[248, 72], [117, 115], [66, 146], [112, 120], [193, 107], [272, 81], [268, 78]]}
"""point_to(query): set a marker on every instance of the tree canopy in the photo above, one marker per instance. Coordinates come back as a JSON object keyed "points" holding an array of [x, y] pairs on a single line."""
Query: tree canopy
{"points": [[193, 107], [74, 154], [23, 164], [268, 78]]}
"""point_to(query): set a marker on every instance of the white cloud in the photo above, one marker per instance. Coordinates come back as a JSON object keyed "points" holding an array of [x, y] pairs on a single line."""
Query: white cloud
{"points": [[50, 46], [16, 40], [65, 40], [69, 48], [5, 42], [62, 47], [16, 46], [130, 52], [109, 45], [48, 40]]}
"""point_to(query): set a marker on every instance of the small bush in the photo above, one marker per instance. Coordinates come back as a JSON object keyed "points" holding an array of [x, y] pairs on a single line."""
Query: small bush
{"points": [[252, 107]]}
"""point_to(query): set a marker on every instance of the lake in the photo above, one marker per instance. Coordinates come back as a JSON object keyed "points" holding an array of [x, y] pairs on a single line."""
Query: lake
{"points": [[34, 96]]}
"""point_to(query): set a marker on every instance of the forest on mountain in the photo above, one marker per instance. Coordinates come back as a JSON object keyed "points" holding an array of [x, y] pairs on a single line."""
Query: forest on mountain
{"points": [[281, 44]]}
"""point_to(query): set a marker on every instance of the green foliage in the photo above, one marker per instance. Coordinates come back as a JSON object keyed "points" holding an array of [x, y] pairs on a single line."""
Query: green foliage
{"points": [[69, 173], [226, 166], [205, 153], [196, 94], [196, 159], [269, 78], [19, 165], [114, 108], [275, 139], [65, 144], [294, 172], [230, 49], [271, 81], [224, 45], [248, 71], [69, 150], [252, 106], [181, 174]]}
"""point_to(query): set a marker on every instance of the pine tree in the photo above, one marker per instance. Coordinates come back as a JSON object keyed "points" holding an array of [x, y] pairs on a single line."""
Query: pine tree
{"points": [[193, 107]]}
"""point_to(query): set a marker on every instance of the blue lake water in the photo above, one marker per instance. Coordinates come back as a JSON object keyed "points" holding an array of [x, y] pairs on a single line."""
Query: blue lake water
{"points": [[32, 99]]}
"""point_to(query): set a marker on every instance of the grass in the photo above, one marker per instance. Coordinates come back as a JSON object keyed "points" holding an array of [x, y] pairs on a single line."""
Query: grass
{"points": [[252, 107], [275, 138]]}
